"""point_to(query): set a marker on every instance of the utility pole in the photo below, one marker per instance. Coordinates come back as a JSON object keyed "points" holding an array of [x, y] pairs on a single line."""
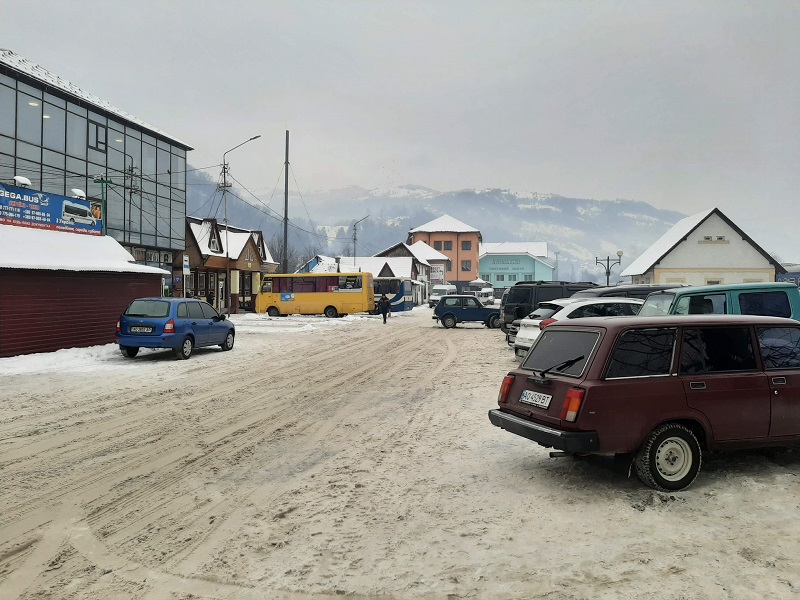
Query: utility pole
{"points": [[286, 209], [355, 233], [225, 186]]}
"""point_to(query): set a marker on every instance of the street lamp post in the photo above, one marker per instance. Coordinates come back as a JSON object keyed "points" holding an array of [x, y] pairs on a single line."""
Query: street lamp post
{"points": [[225, 186], [607, 263]]}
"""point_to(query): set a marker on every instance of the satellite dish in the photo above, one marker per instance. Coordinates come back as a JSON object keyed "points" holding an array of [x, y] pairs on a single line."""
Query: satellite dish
{"points": [[22, 181]]}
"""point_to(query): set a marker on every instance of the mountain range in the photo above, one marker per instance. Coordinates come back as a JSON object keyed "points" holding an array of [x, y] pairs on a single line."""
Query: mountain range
{"points": [[577, 231]]}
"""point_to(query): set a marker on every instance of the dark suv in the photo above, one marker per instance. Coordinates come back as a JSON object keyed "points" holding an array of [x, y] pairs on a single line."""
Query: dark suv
{"points": [[525, 296], [657, 390]]}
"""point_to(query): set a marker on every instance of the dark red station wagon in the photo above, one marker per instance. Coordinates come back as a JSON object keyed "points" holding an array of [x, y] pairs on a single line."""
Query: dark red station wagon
{"points": [[657, 389]]}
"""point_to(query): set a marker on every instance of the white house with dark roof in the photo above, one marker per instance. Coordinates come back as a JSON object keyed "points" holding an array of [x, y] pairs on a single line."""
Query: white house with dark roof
{"points": [[426, 261], [705, 248]]}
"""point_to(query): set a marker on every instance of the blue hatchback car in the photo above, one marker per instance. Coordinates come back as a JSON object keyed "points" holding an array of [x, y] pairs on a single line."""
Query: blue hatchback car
{"points": [[181, 324]]}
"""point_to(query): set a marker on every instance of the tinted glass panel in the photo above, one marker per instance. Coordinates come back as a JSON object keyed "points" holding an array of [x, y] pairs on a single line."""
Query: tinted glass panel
{"points": [[195, 312], [544, 311], [556, 347], [147, 308], [642, 353], [29, 119], [780, 347], [182, 311], [8, 102], [208, 311], [519, 294], [772, 304], [716, 349], [550, 293]]}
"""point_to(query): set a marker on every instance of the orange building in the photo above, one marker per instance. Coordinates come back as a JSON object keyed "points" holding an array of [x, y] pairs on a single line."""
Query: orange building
{"points": [[458, 242]]}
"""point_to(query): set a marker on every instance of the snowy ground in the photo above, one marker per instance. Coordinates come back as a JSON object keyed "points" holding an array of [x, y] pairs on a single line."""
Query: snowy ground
{"points": [[322, 458]]}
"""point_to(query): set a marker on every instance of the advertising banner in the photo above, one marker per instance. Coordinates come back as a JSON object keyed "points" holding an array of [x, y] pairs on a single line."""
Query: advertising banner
{"points": [[29, 208], [437, 274]]}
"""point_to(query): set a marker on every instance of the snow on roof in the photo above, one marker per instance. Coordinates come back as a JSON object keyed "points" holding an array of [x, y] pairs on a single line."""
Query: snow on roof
{"points": [[445, 223], [665, 243], [23, 65], [531, 248], [236, 239], [399, 265], [424, 252], [29, 248]]}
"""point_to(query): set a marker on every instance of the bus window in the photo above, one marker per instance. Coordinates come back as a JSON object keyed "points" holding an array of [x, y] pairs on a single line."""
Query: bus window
{"points": [[327, 284], [283, 285], [350, 282], [303, 284], [266, 287]]}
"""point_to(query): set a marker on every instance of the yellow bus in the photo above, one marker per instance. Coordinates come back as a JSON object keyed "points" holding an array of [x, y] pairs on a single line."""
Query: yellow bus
{"points": [[330, 294]]}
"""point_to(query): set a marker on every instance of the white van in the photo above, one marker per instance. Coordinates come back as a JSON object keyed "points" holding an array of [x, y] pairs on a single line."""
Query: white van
{"points": [[486, 296], [72, 213], [438, 291]]}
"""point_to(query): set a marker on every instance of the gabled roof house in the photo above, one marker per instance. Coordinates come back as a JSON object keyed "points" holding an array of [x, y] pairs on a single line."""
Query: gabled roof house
{"points": [[704, 248]]}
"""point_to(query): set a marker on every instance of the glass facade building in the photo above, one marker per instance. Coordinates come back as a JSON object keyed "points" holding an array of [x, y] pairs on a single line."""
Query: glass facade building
{"points": [[62, 138]]}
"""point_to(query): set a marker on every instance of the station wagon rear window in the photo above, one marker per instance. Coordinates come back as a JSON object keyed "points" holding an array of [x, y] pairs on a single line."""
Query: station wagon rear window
{"points": [[555, 347], [771, 304], [642, 353], [147, 308]]}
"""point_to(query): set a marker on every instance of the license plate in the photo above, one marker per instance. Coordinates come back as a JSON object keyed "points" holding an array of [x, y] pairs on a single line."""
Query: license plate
{"points": [[535, 398], [136, 329]]}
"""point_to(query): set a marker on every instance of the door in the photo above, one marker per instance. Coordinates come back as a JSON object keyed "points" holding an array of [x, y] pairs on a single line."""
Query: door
{"points": [[216, 329], [780, 351], [198, 323], [721, 379]]}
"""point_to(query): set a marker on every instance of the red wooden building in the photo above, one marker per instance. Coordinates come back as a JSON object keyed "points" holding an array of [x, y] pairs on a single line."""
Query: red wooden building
{"points": [[65, 290]]}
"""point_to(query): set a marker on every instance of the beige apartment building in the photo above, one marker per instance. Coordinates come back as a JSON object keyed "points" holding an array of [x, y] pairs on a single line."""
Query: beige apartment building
{"points": [[458, 242]]}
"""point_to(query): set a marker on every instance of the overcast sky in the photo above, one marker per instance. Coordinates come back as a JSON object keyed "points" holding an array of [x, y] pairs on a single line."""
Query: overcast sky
{"points": [[685, 105]]}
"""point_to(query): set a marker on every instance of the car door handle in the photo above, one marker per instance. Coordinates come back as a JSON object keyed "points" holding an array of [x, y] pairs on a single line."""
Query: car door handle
{"points": [[779, 380], [697, 385]]}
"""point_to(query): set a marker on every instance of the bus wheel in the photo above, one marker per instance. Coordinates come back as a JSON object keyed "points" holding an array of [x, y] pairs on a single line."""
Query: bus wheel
{"points": [[331, 312], [273, 312]]}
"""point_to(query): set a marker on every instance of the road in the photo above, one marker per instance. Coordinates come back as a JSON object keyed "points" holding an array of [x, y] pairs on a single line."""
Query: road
{"points": [[322, 458]]}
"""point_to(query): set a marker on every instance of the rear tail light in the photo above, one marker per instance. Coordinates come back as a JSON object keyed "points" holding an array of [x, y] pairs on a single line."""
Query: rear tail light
{"points": [[572, 403], [505, 387], [119, 328], [169, 326], [546, 322]]}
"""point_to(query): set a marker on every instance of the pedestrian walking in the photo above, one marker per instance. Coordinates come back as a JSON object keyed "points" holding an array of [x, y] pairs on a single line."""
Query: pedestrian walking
{"points": [[384, 306]]}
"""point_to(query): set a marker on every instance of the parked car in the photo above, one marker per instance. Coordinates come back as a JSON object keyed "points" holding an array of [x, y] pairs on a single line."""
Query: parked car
{"points": [[775, 299], [181, 324], [570, 308], [628, 290], [464, 308], [524, 296], [543, 311], [657, 390], [437, 291]]}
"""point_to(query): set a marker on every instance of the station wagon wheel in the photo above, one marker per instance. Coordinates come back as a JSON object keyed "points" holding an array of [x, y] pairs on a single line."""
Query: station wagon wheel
{"points": [[273, 312], [129, 351], [494, 321], [228, 343], [670, 458], [449, 321], [184, 351], [331, 312]]}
